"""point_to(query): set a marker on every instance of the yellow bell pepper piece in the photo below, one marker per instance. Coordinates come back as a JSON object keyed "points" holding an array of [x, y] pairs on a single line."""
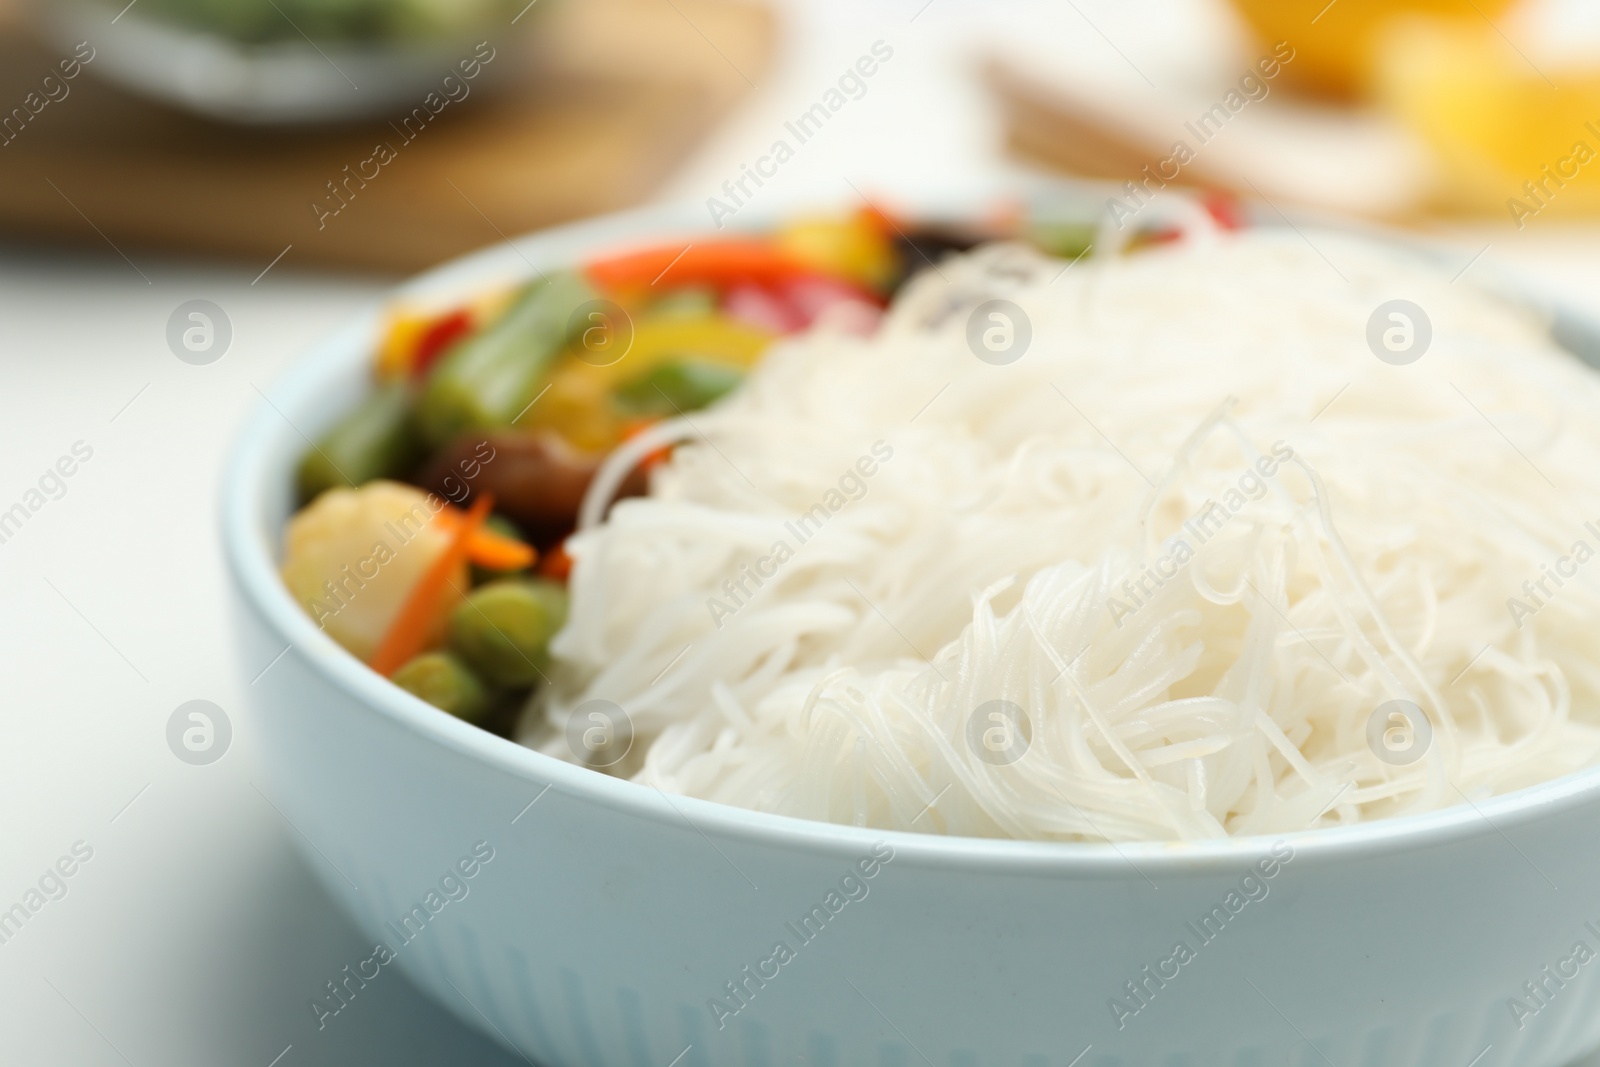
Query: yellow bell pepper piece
{"points": [[398, 349], [711, 337], [578, 402], [850, 248], [577, 406], [406, 323]]}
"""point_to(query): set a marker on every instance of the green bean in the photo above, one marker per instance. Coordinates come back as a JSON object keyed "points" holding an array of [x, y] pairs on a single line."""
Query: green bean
{"points": [[504, 629], [445, 682], [489, 379], [676, 386], [376, 440]]}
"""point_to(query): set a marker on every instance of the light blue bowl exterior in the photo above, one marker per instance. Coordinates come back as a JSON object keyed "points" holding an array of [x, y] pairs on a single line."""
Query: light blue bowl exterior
{"points": [[611, 915]]}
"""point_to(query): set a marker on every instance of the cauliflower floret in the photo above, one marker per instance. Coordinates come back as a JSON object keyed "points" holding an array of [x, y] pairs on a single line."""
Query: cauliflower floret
{"points": [[352, 555]]}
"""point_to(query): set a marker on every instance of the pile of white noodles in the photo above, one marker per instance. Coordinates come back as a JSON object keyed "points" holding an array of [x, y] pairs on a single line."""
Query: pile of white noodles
{"points": [[985, 559]]}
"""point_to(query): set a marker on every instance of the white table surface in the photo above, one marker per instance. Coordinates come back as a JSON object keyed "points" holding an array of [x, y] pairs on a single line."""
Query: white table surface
{"points": [[195, 935]]}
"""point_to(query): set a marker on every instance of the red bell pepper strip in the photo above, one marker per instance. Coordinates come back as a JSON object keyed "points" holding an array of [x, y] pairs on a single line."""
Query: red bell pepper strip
{"points": [[720, 264], [438, 336]]}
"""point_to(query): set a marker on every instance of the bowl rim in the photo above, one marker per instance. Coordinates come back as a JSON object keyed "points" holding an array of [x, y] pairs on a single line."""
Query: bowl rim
{"points": [[248, 476]]}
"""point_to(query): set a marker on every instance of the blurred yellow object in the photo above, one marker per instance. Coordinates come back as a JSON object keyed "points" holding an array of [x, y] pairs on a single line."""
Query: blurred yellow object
{"points": [[1505, 137], [403, 330], [1334, 42], [578, 404], [853, 248], [407, 328]]}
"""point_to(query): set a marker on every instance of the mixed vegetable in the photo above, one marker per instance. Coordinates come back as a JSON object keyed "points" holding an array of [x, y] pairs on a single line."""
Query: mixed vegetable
{"points": [[429, 543]]}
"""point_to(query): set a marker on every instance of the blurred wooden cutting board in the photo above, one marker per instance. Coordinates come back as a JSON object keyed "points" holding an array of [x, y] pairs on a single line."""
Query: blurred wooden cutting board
{"points": [[1281, 149], [594, 105]]}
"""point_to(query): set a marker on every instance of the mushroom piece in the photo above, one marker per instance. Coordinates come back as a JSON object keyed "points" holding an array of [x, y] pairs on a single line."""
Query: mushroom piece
{"points": [[538, 480]]}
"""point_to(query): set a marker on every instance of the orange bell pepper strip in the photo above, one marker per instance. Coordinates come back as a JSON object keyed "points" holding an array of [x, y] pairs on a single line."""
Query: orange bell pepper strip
{"points": [[721, 265], [715, 263]]}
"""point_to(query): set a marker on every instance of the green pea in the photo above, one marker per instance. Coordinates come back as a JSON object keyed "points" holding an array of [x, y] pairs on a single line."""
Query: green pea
{"points": [[447, 683], [503, 630]]}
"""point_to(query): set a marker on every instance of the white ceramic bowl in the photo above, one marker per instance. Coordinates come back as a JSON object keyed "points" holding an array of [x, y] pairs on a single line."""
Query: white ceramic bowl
{"points": [[611, 916]]}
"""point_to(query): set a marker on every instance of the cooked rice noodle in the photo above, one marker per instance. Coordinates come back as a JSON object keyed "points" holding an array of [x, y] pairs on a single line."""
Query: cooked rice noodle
{"points": [[986, 558]]}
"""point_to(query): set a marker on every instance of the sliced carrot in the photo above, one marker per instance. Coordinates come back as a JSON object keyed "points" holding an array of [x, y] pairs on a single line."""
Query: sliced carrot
{"points": [[500, 553], [408, 633], [489, 549], [556, 565]]}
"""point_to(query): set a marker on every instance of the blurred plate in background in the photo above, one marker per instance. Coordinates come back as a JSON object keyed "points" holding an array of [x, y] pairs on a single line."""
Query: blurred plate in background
{"points": [[588, 114], [283, 80]]}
